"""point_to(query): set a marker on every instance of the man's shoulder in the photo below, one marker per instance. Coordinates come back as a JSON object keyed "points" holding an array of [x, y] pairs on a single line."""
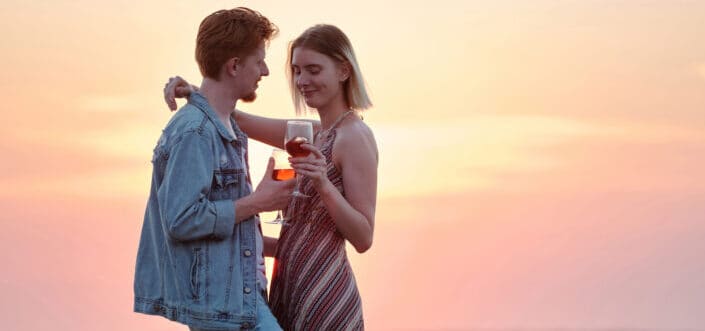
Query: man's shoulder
{"points": [[189, 118], [188, 114]]}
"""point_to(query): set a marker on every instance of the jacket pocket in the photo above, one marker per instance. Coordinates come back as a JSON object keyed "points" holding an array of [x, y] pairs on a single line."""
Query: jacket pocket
{"points": [[196, 273], [226, 184], [223, 178]]}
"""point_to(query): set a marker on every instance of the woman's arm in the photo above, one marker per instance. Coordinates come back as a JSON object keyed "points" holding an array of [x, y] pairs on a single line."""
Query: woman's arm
{"points": [[267, 130], [270, 131], [355, 153]]}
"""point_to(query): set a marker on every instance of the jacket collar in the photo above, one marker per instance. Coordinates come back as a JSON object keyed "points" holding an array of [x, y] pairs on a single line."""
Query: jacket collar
{"points": [[198, 100]]}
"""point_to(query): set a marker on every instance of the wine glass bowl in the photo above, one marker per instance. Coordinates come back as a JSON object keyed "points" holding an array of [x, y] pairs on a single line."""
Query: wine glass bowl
{"points": [[282, 171], [298, 133], [282, 168], [293, 147]]}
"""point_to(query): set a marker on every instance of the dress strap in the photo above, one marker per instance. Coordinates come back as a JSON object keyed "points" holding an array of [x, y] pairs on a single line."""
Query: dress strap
{"points": [[340, 119], [335, 124]]}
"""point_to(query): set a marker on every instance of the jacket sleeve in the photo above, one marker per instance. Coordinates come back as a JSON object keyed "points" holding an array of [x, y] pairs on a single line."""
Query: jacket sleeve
{"points": [[185, 210]]}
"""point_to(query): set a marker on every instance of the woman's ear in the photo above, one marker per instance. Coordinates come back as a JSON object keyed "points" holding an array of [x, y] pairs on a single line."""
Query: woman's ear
{"points": [[344, 71]]}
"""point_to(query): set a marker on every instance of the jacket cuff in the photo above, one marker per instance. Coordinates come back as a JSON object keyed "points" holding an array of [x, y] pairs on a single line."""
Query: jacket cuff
{"points": [[224, 219]]}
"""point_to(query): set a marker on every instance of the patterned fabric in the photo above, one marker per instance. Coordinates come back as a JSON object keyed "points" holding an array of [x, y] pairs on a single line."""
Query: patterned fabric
{"points": [[313, 286]]}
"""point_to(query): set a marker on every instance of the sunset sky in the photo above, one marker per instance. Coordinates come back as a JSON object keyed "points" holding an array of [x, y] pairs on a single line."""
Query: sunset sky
{"points": [[541, 162]]}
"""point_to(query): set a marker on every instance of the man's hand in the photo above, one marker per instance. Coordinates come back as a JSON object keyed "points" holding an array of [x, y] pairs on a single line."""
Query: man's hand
{"points": [[273, 194]]}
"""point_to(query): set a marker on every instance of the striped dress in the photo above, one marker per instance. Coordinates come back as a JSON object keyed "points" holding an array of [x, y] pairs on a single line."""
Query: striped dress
{"points": [[313, 287]]}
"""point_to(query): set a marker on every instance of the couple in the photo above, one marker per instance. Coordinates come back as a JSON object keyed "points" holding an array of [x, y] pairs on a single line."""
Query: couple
{"points": [[201, 255]]}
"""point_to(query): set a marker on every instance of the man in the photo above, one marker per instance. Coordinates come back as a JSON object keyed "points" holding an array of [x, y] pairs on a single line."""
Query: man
{"points": [[200, 258]]}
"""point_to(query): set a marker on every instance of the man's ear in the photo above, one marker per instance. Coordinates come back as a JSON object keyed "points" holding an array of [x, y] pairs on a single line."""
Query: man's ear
{"points": [[231, 66]]}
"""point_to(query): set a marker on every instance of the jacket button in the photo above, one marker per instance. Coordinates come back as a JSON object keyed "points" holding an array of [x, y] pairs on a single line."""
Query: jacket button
{"points": [[245, 326], [247, 290], [248, 252]]}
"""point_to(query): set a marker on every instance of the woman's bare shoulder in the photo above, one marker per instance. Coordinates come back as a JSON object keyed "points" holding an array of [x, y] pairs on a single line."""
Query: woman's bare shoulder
{"points": [[355, 129], [356, 138]]}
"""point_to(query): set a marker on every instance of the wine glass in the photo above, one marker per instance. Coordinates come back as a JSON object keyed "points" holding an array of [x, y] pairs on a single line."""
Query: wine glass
{"points": [[282, 171], [297, 133]]}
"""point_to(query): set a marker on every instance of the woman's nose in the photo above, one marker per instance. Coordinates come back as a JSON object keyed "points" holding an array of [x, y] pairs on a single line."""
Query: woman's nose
{"points": [[301, 81]]}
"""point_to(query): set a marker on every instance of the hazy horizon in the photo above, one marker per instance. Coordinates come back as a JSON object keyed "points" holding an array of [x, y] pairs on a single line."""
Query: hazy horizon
{"points": [[540, 161]]}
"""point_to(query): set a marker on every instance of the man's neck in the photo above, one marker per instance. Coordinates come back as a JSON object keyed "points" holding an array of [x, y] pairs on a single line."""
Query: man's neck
{"points": [[221, 98]]}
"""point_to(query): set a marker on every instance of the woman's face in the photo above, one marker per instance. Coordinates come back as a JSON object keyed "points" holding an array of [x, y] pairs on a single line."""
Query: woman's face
{"points": [[318, 77]]}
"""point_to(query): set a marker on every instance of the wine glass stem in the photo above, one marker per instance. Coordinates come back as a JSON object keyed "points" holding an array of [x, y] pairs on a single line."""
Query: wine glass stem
{"points": [[296, 186]]}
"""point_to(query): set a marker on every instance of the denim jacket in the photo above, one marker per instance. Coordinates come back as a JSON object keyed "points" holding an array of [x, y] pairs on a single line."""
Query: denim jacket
{"points": [[194, 264]]}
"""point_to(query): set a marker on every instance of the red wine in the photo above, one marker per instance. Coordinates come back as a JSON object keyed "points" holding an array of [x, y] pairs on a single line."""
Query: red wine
{"points": [[293, 147]]}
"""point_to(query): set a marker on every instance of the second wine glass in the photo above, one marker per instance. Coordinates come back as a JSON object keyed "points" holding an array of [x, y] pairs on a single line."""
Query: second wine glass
{"points": [[282, 171]]}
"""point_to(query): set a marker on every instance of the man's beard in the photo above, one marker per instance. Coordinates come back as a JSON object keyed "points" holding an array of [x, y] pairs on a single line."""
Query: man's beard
{"points": [[250, 97]]}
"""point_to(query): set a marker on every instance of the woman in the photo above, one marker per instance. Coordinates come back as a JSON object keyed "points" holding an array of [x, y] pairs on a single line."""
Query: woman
{"points": [[313, 287]]}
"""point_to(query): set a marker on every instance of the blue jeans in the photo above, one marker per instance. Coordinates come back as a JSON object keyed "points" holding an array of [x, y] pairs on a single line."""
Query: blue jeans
{"points": [[265, 319]]}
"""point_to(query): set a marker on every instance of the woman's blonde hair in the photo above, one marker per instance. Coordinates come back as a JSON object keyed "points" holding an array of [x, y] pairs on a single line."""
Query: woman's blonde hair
{"points": [[329, 40]]}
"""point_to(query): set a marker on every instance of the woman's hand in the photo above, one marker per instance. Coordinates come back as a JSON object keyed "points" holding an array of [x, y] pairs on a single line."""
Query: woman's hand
{"points": [[312, 166], [177, 87]]}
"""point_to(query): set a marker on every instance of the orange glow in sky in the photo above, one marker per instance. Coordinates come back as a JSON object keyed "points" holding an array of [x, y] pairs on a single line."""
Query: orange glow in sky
{"points": [[540, 161]]}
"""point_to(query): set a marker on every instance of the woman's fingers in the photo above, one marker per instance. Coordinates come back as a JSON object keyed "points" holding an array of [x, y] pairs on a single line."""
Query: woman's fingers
{"points": [[175, 87], [315, 157], [309, 166], [313, 149], [310, 170], [306, 160], [169, 94]]}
